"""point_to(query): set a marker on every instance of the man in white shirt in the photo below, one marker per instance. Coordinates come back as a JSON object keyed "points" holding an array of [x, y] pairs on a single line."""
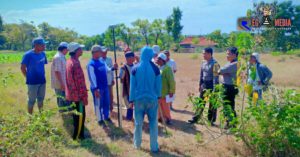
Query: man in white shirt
{"points": [[58, 75], [110, 73], [170, 62]]}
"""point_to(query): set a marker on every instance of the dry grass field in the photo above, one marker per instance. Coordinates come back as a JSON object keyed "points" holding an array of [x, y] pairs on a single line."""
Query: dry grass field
{"points": [[185, 139]]}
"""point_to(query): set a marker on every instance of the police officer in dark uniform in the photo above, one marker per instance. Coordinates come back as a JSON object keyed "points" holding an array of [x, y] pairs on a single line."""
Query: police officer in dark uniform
{"points": [[229, 73], [209, 77]]}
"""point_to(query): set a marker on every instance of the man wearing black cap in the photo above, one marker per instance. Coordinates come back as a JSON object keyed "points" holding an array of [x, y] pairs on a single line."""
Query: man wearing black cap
{"points": [[33, 68], [125, 73], [229, 72]]}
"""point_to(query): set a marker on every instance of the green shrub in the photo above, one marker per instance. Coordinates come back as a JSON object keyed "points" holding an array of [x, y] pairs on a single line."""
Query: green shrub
{"points": [[29, 135], [272, 128]]}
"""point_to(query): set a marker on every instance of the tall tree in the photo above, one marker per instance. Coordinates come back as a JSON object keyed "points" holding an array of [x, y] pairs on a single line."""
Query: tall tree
{"points": [[144, 28], [157, 29], [2, 37], [12, 33], [28, 32], [44, 29], [219, 38], [169, 24], [108, 38], [176, 26], [124, 33], [1, 24]]}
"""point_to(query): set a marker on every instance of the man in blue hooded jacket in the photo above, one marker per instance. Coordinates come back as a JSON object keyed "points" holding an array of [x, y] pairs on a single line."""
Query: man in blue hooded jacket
{"points": [[145, 92]]}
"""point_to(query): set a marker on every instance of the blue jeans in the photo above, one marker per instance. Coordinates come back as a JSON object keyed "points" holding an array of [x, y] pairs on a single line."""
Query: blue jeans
{"points": [[102, 104], [142, 107], [36, 92]]}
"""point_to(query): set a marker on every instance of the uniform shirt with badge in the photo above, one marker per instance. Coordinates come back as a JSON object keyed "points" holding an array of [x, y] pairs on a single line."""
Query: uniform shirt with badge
{"points": [[209, 72]]}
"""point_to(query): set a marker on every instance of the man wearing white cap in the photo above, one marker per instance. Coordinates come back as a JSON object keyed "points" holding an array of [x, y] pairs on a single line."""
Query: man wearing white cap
{"points": [[259, 75], [76, 91], [58, 75], [173, 65], [168, 88], [156, 50], [110, 74]]}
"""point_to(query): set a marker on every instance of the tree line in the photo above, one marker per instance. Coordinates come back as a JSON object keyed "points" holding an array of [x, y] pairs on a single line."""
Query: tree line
{"points": [[161, 32], [167, 33]]}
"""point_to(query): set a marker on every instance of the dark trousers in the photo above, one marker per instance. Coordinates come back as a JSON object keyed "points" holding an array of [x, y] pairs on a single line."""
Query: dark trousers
{"points": [[229, 105], [212, 111], [78, 121]]}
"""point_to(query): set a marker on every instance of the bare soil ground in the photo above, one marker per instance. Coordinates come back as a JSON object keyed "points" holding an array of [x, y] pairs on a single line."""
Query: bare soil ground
{"points": [[182, 142]]}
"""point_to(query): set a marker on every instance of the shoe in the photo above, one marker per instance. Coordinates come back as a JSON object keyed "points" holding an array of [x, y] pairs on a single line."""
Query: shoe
{"points": [[109, 120], [155, 152], [102, 123], [82, 137], [159, 120], [168, 122], [193, 121], [213, 124], [172, 109]]}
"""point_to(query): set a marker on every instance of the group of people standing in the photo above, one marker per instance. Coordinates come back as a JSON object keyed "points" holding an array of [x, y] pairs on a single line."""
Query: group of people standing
{"points": [[258, 78], [148, 84]]}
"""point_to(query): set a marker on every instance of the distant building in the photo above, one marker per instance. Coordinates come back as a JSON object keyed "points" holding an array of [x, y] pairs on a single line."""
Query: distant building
{"points": [[190, 44]]}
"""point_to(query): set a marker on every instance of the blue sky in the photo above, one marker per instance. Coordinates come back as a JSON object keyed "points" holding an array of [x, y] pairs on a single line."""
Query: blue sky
{"points": [[91, 17]]}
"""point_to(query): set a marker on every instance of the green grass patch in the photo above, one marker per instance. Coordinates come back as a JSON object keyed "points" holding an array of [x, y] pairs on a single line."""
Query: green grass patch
{"points": [[290, 52], [30, 135], [194, 56]]}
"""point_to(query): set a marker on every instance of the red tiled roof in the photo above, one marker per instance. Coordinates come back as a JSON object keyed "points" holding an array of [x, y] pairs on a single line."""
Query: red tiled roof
{"points": [[202, 41]]}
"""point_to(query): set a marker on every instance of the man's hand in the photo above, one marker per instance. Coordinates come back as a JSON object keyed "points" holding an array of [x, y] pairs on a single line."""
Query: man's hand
{"points": [[113, 83], [116, 66], [131, 105], [62, 87], [97, 93], [23, 70], [85, 102]]}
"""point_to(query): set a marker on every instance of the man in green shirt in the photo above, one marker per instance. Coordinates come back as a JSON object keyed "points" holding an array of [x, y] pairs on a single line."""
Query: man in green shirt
{"points": [[168, 88]]}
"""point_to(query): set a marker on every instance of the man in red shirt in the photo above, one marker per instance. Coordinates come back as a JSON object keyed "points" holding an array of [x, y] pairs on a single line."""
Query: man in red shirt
{"points": [[76, 91]]}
